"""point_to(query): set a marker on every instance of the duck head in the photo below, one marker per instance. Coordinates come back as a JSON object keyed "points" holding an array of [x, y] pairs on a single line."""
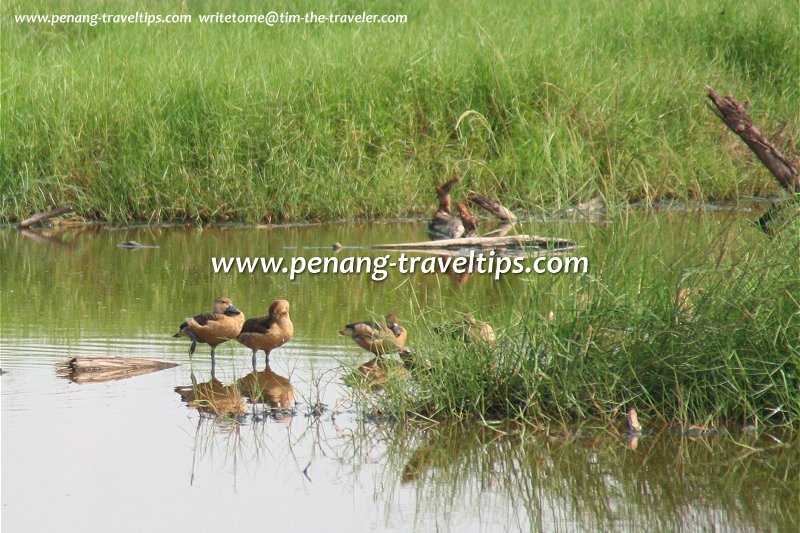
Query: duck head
{"points": [[225, 306], [279, 308], [392, 323]]}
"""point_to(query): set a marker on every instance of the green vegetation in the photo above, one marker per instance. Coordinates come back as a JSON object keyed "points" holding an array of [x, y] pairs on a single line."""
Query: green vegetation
{"points": [[543, 103], [706, 334]]}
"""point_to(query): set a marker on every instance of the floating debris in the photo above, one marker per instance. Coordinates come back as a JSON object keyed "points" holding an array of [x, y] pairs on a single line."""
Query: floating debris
{"points": [[98, 369], [134, 244]]}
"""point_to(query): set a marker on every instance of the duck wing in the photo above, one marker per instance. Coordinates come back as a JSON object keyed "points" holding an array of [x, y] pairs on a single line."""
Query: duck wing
{"points": [[260, 325], [366, 330]]}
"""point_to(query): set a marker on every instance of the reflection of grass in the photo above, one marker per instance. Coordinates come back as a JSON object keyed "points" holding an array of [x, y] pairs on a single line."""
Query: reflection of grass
{"points": [[711, 336], [544, 102], [530, 481]]}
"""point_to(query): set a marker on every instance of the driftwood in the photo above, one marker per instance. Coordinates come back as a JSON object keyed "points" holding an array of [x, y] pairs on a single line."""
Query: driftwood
{"points": [[443, 195], [515, 241], [495, 208], [446, 225], [133, 245], [100, 369], [41, 217], [735, 116], [468, 220]]}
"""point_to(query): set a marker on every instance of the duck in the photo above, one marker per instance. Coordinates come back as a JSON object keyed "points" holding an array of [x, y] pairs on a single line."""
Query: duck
{"points": [[477, 330], [222, 324], [376, 338], [268, 332], [469, 329]]}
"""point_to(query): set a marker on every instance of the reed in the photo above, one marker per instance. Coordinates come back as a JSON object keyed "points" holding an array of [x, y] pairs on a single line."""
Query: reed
{"points": [[705, 336], [545, 104]]}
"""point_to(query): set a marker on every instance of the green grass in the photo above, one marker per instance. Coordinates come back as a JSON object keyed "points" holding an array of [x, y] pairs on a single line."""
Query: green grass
{"points": [[621, 337], [541, 103]]}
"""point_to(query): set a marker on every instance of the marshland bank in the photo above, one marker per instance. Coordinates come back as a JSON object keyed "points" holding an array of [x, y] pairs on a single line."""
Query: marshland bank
{"points": [[543, 105]]}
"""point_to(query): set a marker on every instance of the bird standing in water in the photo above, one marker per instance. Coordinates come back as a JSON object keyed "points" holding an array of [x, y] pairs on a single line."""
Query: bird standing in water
{"points": [[222, 324], [268, 332]]}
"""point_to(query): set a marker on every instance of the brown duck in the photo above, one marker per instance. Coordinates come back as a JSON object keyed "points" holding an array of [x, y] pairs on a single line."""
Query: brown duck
{"points": [[468, 329], [376, 338], [222, 324], [268, 332], [477, 331]]}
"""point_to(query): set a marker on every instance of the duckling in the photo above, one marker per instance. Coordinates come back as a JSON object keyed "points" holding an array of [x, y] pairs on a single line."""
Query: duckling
{"points": [[268, 332], [376, 338], [222, 324]]}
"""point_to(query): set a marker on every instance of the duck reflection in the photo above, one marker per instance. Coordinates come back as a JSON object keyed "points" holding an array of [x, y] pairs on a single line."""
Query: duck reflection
{"points": [[377, 372], [212, 397], [267, 387]]}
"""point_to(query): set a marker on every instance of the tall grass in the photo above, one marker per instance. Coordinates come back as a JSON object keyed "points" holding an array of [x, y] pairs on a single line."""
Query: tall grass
{"points": [[544, 103], [706, 337]]}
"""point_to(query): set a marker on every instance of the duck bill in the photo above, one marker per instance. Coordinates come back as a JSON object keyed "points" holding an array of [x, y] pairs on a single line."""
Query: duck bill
{"points": [[233, 310], [395, 329]]}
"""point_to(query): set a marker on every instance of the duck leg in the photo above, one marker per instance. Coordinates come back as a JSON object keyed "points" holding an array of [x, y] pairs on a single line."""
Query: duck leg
{"points": [[213, 360], [254, 360], [193, 347]]}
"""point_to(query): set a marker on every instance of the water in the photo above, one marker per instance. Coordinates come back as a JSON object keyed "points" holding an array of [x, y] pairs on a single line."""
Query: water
{"points": [[129, 455]]}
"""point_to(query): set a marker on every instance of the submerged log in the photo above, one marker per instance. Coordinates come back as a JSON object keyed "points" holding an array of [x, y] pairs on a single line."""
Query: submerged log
{"points": [[100, 369], [445, 226], [514, 241], [41, 217], [735, 116]]}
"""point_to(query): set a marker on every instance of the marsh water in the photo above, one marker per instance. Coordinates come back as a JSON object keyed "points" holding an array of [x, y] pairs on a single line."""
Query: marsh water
{"points": [[130, 455]]}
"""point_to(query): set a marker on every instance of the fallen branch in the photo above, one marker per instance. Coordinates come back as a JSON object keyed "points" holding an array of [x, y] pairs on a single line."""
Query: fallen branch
{"points": [[443, 195], [735, 116], [468, 220], [41, 217], [492, 206], [515, 241]]}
